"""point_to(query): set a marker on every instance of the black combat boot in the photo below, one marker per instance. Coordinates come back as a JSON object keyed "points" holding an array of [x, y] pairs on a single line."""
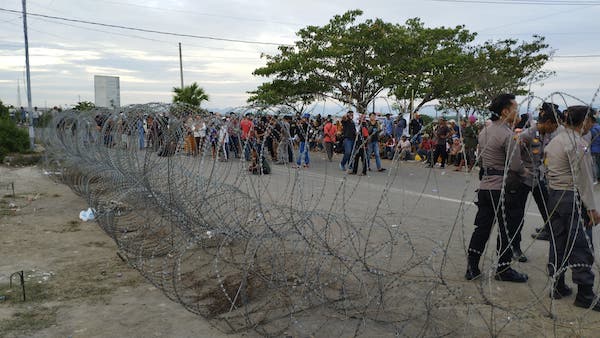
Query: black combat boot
{"points": [[518, 254], [510, 275], [543, 235], [586, 298], [473, 271], [560, 290]]}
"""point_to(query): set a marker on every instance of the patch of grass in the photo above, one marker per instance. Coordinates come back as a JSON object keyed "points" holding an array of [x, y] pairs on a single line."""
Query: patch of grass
{"points": [[6, 212], [92, 281], [23, 160], [25, 321], [34, 292]]}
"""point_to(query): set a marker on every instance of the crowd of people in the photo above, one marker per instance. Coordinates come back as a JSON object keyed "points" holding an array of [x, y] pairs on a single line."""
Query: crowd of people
{"points": [[290, 139], [552, 159]]}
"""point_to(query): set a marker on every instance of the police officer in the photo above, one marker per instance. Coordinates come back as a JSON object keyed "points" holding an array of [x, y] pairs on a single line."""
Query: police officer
{"points": [[498, 147], [571, 200], [549, 125], [532, 148]]}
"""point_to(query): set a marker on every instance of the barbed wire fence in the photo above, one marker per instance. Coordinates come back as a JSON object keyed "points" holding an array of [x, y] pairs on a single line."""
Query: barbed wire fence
{"points": [[296, 252]]}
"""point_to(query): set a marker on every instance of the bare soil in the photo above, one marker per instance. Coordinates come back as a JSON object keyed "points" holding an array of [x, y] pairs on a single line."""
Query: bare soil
{"points": [[75, 284]]}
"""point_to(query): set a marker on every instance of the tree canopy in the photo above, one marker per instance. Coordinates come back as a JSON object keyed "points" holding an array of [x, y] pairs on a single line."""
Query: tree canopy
{"points": [[341, 60], [354, 62], [84, 106], [193, 95]]}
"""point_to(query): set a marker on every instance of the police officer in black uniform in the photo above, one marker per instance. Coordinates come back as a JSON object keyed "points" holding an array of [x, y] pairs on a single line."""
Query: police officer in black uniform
{"points": [[500, 190], [573, 209]]}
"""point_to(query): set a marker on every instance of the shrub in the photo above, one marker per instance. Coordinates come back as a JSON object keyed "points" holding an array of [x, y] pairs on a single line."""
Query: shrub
{"points": [[12, 138]]}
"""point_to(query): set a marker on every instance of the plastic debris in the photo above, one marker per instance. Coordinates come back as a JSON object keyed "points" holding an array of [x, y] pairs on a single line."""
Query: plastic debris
{"points": [[86, 215]]}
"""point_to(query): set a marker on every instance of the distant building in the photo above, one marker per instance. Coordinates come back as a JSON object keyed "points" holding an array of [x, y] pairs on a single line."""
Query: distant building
{"points": [[107, 91]]}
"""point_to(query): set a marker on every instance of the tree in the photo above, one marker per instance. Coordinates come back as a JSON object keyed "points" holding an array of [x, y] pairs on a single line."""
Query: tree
{"points": [[4, 113], [296, 96], [12, 138], [505, 66], [342, 60], [192, 95], [430, 63], [84, 106]]}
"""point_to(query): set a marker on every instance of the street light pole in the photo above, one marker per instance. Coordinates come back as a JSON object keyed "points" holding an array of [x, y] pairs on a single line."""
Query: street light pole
{"points": [[29, 108], [180, 65]]}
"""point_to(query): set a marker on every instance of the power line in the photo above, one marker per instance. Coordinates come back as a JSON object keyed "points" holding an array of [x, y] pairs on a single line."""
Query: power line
{"points": [[135, 36], [146, 30]]}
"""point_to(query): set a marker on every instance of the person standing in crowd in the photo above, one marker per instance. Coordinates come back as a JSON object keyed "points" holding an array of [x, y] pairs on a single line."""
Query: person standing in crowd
{"points": [[414, 128], [198, 128], [399, 126], [374, 130], [469, 136], [36, 116], [549, 125], [234, 132], [329, 131], [441, 136], [23, 115], [285, 153], [574, 213], [247, 127], [224, 140], [302, 132], [498, 148], [141, 132], [359, 148], [388, 126], [349, 135]]}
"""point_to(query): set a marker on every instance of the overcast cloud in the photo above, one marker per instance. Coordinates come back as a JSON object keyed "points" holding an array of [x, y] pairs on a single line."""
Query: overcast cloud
{"points": [[65, 56]]}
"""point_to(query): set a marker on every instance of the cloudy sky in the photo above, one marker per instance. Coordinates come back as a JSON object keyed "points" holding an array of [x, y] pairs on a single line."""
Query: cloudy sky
{"points": [[65, 56]]}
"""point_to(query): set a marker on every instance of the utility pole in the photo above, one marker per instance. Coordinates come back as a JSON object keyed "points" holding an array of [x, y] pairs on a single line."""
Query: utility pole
{"points": [[29, 109], [180, 65]]}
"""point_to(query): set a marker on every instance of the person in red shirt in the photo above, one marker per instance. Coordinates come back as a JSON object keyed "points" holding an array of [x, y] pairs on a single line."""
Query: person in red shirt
{"points": [[329, 132], [425, 148], [247, 127]]}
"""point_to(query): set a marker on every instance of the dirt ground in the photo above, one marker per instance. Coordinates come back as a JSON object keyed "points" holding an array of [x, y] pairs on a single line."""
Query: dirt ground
{"points": [[75, 284]]}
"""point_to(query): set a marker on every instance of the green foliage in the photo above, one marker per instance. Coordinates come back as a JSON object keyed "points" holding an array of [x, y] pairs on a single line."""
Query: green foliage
{"points": [[192, 95], [12, 138], [293, 95], [353, 62], [505, 66], [84, 106], [3, 111], [343, 60], [430, 62], [426, 119]]}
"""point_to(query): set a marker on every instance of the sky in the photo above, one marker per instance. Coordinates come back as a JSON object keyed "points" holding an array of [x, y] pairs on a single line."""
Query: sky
{"points": [[65, 56]]}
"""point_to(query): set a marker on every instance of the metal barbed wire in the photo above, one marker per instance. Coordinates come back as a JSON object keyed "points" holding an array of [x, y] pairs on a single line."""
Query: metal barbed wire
{"points": [[288, 251]]}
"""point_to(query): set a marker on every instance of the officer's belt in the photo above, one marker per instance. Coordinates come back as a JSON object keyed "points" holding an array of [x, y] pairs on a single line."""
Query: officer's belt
{"points": [[492, 172]]}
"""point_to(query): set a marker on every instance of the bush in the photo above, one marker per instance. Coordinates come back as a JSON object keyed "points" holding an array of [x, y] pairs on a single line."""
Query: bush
{"points": [[12, 138]]}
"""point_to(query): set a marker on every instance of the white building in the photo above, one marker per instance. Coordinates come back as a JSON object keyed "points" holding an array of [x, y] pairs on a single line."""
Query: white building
{"points": [[107, 91]]}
